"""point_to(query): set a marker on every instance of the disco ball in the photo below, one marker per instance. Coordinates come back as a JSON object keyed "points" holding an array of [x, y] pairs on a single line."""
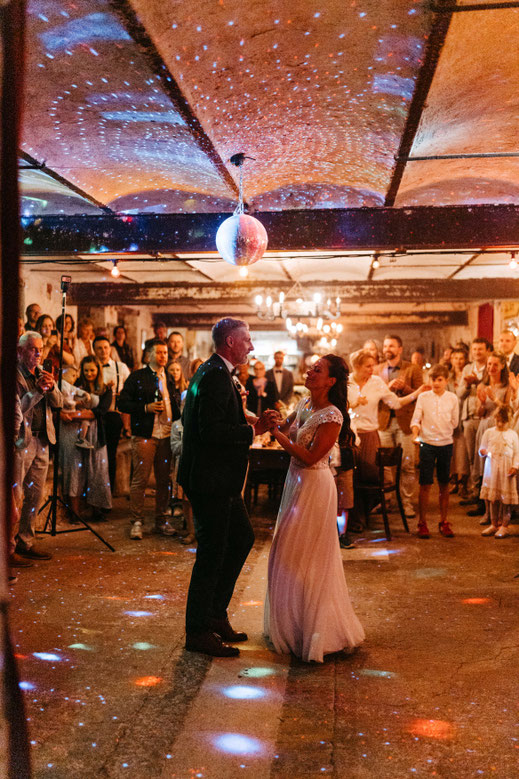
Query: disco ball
{"points": [[241, 240]]}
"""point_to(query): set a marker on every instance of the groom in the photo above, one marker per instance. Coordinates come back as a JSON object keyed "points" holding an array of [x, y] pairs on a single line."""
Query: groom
{"points": [[212, 470]]}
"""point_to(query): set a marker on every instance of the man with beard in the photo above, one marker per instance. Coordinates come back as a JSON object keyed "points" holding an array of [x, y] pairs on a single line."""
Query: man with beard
{"points": [[212, 470], [402, 378]]}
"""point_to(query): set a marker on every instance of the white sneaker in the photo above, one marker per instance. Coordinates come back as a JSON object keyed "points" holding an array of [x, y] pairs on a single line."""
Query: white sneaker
{"points": [[502, 532], [409, 512], [489, 531], [136, 531]]}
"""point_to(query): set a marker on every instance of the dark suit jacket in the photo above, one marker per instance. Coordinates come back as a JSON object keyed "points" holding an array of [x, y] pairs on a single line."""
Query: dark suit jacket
{"points": [[216, 439], [287, 384], [269, 401], [514, 364], [138, 390]]}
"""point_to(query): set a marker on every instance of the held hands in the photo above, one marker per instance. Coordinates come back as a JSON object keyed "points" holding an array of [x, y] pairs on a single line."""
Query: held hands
{"points": [[471, 379], [267, 421]]}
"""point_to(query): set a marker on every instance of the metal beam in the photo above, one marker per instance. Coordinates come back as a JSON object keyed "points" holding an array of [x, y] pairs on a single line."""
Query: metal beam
{"points": [[35, 164], [171, 87], [433, 50], [369, 229], [470, 156], [218, 294]]}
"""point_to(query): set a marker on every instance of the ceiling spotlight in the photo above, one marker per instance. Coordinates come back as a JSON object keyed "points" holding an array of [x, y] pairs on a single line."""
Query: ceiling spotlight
{"points": [[244, 271], [513, 262], [115, 270]]}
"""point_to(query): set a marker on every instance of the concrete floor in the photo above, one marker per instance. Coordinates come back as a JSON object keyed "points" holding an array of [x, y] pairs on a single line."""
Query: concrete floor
{"points": [[110, 692]]}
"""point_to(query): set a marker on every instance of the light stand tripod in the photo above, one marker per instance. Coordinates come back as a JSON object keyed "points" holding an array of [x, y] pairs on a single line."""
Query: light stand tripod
{"points": [[53, 500]]}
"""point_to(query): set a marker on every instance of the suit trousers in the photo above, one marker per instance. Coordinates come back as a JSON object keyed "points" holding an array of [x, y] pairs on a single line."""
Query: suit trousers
{"points": [[113, 425], [225, 537], [148, 453], [31, 467], [393, 436]]}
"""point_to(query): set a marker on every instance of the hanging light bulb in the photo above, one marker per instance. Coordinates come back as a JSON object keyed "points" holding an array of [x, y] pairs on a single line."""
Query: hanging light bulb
{"points": [[244, 271], [513, 262], [115, 270], [375, 264]]}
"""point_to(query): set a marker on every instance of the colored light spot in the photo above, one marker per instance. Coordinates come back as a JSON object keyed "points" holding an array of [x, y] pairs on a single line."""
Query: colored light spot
{"points": [[257, 673], [148, 681], [429, 573], [432, 728], [47, 656], [143, 646], [242, 692], [476, 601], [237, 744], [252, 603], [139, 613], [81, 646], [27, 686], [374, 672], [154, 597]]}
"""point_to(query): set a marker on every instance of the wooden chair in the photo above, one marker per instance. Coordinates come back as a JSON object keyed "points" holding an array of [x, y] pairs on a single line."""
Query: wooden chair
{"points": [[373, 493]]}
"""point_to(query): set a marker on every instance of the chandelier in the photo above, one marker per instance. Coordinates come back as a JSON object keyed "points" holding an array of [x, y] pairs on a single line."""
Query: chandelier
{"points": [[311, 317]]}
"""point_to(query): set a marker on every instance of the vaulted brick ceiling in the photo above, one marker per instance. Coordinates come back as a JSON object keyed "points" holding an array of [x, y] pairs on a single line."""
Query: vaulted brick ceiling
{"points": [[141, 105]]}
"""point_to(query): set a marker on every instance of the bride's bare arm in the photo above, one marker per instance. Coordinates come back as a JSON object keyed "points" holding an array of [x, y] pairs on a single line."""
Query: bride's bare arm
{"points": [[323, 441]]}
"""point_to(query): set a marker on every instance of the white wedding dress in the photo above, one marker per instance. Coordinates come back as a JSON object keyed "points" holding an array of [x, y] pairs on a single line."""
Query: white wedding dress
{"points": [[307, 609]]}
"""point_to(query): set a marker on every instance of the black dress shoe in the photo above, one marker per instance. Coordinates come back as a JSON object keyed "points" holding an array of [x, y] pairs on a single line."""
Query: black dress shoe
{"points": [[209, 644], [32, 553], [222, 627]]}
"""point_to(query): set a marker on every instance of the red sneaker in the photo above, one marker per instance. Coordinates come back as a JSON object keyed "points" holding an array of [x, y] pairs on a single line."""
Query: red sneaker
{"points": [[445, 529], [423, 530]]}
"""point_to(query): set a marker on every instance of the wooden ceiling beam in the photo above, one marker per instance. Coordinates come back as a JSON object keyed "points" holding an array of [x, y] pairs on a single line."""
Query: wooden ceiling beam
{"points": [[396, 291], [370, 229]]}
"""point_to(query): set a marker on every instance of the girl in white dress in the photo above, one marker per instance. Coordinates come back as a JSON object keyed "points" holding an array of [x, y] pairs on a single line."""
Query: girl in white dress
{"points": [[307, 608], [500, 448]]}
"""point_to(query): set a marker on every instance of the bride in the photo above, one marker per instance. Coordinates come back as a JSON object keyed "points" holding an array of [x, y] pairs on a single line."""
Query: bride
{"points": [[307, 608]]}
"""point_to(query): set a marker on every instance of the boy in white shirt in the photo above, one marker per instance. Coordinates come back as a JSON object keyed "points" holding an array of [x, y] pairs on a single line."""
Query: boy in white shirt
{"points": [[434, 420]]}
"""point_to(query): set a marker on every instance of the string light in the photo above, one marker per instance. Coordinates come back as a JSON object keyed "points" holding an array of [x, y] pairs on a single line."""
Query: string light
{"points": [[513, 262], [115, 270]]}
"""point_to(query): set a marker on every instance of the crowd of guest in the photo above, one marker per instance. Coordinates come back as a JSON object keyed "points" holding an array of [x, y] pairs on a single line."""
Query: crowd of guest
{"points": [[106, 398]]}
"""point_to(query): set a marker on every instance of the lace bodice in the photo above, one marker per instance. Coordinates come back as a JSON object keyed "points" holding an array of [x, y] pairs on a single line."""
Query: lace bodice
{"points": [[305, 426]]}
